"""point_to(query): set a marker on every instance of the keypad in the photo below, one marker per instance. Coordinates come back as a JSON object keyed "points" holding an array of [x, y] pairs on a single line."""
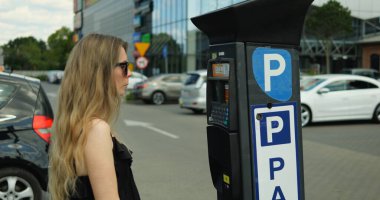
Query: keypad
{"points": [[219, 114]]}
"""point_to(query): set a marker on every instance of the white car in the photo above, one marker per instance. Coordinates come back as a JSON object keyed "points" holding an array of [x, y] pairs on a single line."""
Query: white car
{"points": [[135, 77], [55, 76], [339, 97], [193, 93]]}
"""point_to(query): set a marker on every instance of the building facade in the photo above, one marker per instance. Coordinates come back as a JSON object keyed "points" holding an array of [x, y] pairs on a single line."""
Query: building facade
{"points": [[111, 17], [176, 45]]}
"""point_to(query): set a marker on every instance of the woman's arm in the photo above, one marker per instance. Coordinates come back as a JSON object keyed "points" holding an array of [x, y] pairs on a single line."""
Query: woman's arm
{"points": [[99, 161]]}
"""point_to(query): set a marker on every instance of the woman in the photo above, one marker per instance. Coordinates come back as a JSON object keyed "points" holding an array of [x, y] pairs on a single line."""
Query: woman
{"points": [[86, 161]]}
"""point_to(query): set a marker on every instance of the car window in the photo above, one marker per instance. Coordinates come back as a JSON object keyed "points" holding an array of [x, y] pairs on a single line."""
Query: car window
{"points": [[337, 86], [356, 85], [364, 73], [376, 75], [6, 93], [43, 105], [191, 79]]}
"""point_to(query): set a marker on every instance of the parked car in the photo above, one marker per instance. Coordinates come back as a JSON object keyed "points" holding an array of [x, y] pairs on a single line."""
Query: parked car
{"points": [[25, 121], [55, 76], [193, 93], [158, 89], [339, 97], [372, 73], [135, 77]]}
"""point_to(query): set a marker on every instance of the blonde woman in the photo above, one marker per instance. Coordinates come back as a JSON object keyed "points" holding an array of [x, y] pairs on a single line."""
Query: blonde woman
{"points": [[86, 161]]}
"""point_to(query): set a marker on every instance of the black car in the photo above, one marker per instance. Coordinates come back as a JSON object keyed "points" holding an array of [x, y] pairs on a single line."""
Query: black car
{"points": [[25, 121]]}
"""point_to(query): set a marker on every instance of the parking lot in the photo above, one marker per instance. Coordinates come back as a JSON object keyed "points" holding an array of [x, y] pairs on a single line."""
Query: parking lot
{"points": [[341, 160]]}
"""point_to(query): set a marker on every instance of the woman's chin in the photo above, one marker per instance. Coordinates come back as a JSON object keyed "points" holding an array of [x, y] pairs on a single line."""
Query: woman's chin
{"points": [[121, 92]]}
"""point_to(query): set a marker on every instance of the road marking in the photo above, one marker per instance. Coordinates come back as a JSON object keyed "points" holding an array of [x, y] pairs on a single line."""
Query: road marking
{"points": [[150, 127], [51, 94]]}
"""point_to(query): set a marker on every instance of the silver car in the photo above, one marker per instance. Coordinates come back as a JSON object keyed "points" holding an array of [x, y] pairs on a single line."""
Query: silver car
{"points": [[193, 94], [158, 89]]}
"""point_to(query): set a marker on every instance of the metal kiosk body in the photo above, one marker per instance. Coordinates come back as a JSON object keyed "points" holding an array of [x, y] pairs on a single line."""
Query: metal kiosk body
{"points": [[253, 99]]}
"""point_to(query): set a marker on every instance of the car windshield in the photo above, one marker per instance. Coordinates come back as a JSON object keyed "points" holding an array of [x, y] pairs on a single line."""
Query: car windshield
{"points": [[310, 83]]}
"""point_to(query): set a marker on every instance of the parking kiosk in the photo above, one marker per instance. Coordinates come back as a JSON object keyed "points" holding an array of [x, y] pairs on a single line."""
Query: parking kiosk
{"points": [[253, 99]]}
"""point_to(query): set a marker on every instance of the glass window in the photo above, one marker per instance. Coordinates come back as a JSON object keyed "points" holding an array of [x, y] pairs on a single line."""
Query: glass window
{"points": [[224, 3], [171, 10], [337, 86], [356, 85], [154, 14], [194, 8], [371, 74], [208, 6], [175, 11], [238, 1], [6, 93], [165, 12], [184, 10]]}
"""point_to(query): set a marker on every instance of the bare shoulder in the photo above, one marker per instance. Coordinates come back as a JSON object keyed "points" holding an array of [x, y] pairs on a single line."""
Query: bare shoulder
{"points": [[99, 125], [99, 133], [99, 160]]}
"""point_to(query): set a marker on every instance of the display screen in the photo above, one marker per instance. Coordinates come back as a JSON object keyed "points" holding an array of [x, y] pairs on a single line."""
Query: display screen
{"points": [[220, 70]]}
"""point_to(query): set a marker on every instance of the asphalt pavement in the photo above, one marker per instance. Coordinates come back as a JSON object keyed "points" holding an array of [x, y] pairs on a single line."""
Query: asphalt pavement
{"points": [[341, 160]]}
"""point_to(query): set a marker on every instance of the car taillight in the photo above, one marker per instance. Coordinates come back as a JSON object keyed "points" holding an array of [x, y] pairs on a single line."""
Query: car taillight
{"points": [[142, 86], [42, 125]]}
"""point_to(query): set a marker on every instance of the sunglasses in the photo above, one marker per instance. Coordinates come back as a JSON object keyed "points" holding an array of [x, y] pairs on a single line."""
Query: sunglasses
{"points": [[124, 66]]}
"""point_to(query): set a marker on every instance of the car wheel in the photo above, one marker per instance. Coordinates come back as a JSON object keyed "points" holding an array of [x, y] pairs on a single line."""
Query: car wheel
{"points": [[305, 115], [197, 111], [158, 98], [17, 183], [376, 114]]}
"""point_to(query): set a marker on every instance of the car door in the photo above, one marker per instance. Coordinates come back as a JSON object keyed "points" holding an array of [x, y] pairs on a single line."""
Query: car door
{"points": [[363, 98], [333, 104], [173, 85]]}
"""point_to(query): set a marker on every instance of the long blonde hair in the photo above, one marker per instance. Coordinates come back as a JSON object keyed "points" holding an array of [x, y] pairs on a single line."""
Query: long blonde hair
{"points": [[87, 92]]}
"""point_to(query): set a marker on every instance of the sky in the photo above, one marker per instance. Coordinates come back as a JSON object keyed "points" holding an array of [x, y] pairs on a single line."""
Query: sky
{"points": [[40, 18]]}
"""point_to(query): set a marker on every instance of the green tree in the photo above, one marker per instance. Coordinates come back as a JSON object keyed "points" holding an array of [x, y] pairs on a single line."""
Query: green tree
{"points": [[24, 53], [327, 22], [60, 44]]}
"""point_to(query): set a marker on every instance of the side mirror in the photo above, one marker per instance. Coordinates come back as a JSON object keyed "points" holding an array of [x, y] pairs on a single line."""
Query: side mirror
{"points": [[323, 91]]}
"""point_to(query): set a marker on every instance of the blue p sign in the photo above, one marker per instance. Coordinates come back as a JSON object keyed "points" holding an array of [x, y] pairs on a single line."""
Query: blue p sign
{"points": [[275, 128], [272, 69]]}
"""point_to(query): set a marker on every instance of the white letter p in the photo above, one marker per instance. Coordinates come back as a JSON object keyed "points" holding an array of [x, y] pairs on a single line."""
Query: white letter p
{"points": [[268, 72]]}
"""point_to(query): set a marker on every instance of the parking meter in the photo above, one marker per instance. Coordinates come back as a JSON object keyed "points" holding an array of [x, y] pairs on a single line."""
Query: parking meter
{"points": [[253, 99]]}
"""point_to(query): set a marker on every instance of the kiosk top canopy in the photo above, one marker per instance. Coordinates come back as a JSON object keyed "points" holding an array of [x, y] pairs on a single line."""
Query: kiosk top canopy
{"points": [[259, 21]]}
